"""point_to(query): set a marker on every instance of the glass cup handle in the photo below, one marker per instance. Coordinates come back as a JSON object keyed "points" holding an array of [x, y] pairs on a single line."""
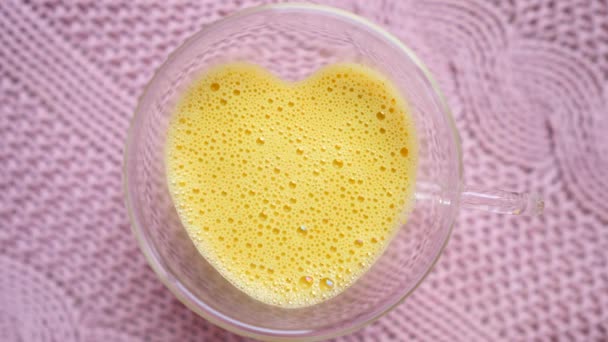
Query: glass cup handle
{"points": [[490, 200], [502, 202]]}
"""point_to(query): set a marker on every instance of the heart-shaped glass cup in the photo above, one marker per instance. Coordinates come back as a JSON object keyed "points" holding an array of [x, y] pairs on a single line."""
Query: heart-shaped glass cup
{"points": [[293, 41]]}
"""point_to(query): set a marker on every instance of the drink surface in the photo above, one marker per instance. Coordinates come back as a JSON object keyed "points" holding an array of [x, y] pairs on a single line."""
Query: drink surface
{"points": [[291, 190]]}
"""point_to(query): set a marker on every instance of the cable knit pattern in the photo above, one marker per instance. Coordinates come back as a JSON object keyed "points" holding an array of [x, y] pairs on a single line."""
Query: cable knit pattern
{"points": [[527, 82]]}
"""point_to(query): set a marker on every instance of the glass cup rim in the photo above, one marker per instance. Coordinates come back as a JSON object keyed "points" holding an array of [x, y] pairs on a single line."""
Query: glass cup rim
{"points": [[154, 259]]}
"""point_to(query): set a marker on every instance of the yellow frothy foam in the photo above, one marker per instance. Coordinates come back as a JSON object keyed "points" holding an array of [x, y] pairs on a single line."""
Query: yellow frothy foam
{"points": [[291, 191]]}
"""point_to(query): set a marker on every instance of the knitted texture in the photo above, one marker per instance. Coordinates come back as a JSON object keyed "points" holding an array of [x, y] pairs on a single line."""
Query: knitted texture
{"points": [[528, 85]]}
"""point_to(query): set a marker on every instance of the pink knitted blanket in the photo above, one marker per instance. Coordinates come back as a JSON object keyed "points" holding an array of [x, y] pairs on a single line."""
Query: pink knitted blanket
{"points": [[528, 85]]}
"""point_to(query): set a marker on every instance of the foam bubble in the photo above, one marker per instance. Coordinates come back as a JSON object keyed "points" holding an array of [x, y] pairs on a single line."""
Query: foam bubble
{"points": [[286, 189]]}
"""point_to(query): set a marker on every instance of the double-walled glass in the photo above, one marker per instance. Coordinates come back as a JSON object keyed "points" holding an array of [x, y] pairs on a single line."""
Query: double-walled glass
{"points": [[293, 41]]}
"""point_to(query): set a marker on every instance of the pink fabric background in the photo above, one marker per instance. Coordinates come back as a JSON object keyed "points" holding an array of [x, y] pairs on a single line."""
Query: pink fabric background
{"points": [[528, 85]]}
